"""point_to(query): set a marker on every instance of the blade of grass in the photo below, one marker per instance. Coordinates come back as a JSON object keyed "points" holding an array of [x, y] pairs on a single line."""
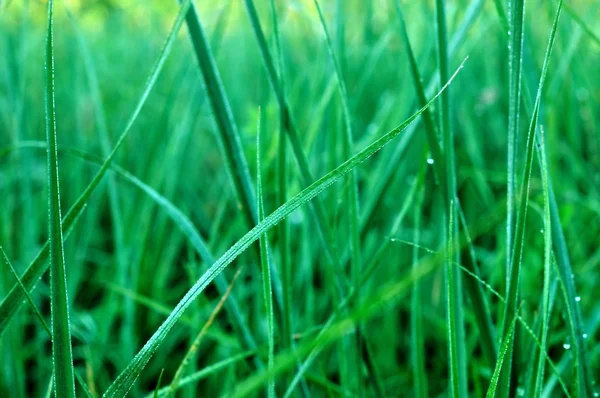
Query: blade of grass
{"points": [[113, 194], [522, 322], [265, 267], [353, 360], [36, 311], [417, 344], [175, 383], [457, 342], [478, 299], [586, 28], [282, 177], [491, 393], [62, 355], [453, 342], [125, 380], [323, 227], [516, 20], [207, 371], [539, 378], [565, 272], [12, 302], [183, 223], [517, 251]]}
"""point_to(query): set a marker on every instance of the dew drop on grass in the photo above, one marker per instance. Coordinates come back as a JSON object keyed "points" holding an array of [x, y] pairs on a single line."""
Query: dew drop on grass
{"points": [[578, 299], [567, 346], [429, 161], [585, 336], [520, 391]]}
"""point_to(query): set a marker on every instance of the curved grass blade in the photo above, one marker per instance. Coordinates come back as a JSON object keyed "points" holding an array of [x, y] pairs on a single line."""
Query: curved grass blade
{"points": [[265, 267], [323, 227], [126, 379], [207, 371], [62, 355], [175, 383], [183, 223], [13, 301], [517, 251]]}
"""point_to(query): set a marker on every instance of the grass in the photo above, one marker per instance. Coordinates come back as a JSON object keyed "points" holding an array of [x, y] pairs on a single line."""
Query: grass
{"points": [[400, 239]]}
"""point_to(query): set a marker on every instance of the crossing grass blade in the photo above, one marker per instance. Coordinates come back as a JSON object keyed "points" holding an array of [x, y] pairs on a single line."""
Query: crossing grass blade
{"points": [[586, 28], [478, 299], [177, 379], [35, 309], [207, 371], [126, 379], [323, 227], [13, 301], [182, 222], [504, 349], [265, 267], [62, 355], [519, 236], [545, 315]]}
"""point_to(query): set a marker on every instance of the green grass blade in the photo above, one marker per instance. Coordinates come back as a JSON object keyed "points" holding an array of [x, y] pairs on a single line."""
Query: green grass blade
{"points": [[516, 20], [126, 379], [353, 362], [158, 383], [183, 223], [545, 316], [504, 349], [323, 227], [478, 299], [282, 188], [12, 302], [207, 371], [35, 309], [176, 382], [417, 345], [62, 355], [265, 267], [229, 137], [453, 342], [519, 236], [457, 343]]}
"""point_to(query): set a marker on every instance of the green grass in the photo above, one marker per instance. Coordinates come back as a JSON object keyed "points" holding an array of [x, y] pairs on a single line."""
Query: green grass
{"points": [[410, 231]]}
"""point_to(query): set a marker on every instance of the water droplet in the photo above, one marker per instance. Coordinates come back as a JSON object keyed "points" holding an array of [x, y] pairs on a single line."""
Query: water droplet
{"points": [[578, 299], [567, 346], [596, 394], [429, 161], [541, 231], [585, 335], [520, 391]]}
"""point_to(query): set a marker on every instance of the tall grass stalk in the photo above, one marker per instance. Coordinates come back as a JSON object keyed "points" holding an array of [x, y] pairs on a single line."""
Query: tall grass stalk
{"points": [[517, 251], [62, 355], [457, 344]]}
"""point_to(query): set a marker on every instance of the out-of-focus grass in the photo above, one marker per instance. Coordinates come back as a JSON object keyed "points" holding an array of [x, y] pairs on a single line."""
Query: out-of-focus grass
{"points": [[130, 240]]}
